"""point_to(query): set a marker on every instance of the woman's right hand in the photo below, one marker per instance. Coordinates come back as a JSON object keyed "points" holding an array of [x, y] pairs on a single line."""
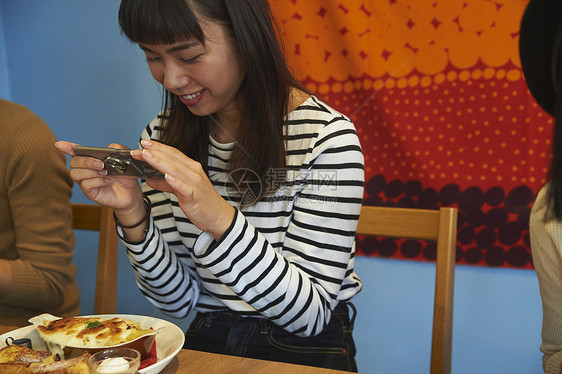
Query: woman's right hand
{"points": [[119, 193]]}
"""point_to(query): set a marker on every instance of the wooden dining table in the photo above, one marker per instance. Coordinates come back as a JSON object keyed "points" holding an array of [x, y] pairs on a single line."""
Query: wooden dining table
{"points": [[194, 362]]}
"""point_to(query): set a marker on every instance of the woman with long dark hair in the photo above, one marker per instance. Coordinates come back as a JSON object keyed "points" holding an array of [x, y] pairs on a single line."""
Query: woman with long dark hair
{"points": [[253, 225], [540, 47]]}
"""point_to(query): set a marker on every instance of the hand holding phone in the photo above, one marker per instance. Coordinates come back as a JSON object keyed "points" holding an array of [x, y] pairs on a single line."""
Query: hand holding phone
{"points": [[119, 161]]}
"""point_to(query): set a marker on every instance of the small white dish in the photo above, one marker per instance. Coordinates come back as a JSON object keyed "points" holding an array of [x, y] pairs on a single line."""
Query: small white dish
{"points": [[115, 360]]}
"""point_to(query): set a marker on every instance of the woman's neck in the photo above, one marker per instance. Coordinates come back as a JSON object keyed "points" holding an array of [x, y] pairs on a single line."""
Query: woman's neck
{"points": [[224, 127], [296, 98]]}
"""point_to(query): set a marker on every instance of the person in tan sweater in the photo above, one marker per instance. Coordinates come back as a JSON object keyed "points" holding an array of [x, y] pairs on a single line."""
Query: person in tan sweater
{"points": [[36, 236]]}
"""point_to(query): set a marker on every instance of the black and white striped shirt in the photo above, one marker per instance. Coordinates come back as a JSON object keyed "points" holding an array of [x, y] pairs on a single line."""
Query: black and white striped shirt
{"points": [[289, 257]]}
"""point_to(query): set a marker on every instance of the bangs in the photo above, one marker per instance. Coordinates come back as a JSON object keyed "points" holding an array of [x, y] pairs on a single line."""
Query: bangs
{"points": [[159, 21]]}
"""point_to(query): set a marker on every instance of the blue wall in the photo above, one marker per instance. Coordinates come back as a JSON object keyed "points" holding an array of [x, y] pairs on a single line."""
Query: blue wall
{"points": [[4, 82], [66, 61]]}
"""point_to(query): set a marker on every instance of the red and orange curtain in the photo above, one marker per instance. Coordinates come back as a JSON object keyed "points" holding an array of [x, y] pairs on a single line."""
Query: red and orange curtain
{"points": [[436, 91]]}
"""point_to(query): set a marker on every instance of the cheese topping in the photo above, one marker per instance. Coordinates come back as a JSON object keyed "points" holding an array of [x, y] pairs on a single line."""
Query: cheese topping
{"points": [[90, 332]]}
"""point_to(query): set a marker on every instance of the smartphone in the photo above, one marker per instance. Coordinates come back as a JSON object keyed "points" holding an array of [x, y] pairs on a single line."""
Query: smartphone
{"points": [[119, 162]]}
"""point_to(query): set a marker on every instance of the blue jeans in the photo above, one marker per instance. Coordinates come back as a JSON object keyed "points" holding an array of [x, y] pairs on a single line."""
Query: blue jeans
{"points": [[229, 333]]}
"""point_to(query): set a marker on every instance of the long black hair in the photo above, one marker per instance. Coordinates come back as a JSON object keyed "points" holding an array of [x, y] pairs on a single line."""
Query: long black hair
{"points": [[554, 192], [263, 97]]}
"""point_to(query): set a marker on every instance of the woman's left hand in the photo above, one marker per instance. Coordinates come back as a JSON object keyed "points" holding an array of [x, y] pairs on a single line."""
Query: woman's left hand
{"points": [[186, 179]]}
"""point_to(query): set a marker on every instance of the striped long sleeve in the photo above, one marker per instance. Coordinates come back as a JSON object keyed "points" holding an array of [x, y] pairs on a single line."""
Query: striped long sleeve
{"points": [[289, 257]]}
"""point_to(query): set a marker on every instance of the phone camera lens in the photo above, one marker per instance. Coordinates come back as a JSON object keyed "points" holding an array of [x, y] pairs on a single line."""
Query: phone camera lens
{"points": [[116, 164]]}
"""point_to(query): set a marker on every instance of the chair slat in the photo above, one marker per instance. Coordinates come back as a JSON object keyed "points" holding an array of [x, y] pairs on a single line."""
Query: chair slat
{"points": [[99, 218], [425, 224]]}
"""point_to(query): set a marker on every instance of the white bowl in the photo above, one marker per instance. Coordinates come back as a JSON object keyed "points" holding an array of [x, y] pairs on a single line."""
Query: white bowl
{"points": [[168, 342]]}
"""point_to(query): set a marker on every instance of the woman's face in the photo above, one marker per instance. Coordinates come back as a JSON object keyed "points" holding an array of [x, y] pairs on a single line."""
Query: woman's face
{"points": [[206, 78]]}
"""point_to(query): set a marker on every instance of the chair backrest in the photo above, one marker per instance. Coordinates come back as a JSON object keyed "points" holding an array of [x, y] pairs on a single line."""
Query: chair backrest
{"points": [[427, 224], [100, 218]]}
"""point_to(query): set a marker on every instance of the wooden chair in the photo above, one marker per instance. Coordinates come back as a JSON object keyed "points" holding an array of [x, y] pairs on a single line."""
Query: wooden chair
{"points": [[427, 224], [100, 218]]}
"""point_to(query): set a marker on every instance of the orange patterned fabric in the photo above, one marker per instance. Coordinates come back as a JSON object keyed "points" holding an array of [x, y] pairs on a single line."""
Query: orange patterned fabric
{"points": [[436, 91]]}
